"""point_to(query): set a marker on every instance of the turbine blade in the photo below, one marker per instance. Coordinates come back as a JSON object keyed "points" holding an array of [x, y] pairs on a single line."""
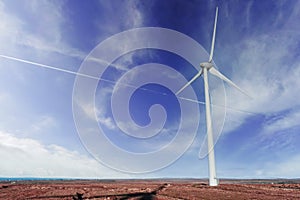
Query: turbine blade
{"points": [[215, 72], [190, 82], [213, 38]]}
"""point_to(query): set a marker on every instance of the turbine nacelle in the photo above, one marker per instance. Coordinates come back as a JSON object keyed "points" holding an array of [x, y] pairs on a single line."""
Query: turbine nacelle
{"points": [[206, 65]]}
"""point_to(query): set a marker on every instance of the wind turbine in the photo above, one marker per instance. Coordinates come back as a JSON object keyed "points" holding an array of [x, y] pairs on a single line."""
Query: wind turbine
{"points": [[209, 67]]}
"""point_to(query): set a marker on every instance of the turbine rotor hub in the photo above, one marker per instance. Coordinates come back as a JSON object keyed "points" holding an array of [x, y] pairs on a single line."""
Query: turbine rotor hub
{"points": [[206, 65]]}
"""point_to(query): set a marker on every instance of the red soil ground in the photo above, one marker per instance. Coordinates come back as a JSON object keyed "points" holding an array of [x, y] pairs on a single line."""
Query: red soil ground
{"points": [[148, 189]]}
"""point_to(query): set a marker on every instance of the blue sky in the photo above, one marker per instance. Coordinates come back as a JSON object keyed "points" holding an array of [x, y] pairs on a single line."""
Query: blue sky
{"points": [[257, 47]]}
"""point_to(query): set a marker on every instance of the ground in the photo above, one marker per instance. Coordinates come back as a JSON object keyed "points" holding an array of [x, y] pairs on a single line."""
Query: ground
{"points": [[150, 189]]}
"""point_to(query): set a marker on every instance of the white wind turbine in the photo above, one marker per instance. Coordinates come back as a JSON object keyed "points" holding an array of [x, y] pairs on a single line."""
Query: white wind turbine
{"points": [[208, 67]]}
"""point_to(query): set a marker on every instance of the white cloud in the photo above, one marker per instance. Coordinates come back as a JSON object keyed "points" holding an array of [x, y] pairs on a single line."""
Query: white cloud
{"points": [[88, 109], [24, 157], [99, 110], [268, 73], [104, 120], [103, 100], [17, 31]]}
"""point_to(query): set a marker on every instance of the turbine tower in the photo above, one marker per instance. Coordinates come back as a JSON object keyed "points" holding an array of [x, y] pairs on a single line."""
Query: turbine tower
{"points": [[209, 67]]}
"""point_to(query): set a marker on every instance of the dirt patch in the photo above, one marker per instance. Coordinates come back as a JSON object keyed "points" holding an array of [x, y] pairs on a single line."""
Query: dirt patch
{"points": [[147, 190]]}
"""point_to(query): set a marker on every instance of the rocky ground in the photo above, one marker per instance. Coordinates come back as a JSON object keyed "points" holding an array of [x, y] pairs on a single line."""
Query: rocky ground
{"points": [[149, 189]]}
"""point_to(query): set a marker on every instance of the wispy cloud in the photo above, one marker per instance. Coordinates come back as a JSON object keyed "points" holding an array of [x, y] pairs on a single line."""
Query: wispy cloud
{"points": [[44, 122], [129, 16], [288, 120], [18, 31], [270, 74]]}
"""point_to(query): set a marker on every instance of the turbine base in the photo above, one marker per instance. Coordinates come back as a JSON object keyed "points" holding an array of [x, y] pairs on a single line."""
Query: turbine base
{"points": [[213, 182]]}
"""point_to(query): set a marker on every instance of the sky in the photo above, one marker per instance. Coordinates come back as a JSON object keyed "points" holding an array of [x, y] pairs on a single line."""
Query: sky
{"points": [[56, 124]]}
